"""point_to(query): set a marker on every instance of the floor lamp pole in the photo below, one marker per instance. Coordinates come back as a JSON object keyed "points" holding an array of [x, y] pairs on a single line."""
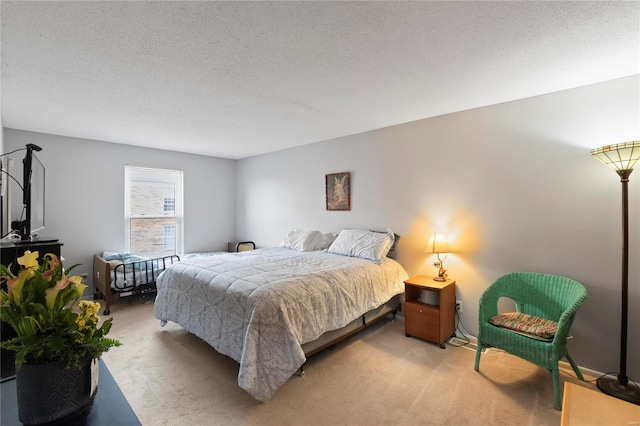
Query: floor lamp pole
{"points": [[620, 387]]}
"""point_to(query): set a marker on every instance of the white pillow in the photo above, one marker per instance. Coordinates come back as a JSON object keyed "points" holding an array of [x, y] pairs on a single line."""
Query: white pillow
{"points": [[365, 244], [327, 239], [307, 240]]}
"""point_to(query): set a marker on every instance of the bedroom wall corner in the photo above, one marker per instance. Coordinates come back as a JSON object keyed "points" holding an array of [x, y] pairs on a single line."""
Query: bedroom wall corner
{"points": [[512, 185], [85, 194]]}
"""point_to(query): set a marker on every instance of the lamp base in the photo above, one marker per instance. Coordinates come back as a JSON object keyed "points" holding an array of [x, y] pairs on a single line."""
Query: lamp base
{"points": [[611, 386], [441, 279]]}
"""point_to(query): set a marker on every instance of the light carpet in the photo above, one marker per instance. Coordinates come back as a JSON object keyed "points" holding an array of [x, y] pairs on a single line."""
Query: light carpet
{"points": [[171, 377]]}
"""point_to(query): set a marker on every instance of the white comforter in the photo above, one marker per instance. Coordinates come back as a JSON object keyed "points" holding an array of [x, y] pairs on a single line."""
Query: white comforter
{"points": [[258, 307]]}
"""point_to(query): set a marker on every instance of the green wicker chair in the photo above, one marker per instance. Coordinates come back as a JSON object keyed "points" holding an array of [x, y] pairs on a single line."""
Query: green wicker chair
{"points": [[542, 295]]}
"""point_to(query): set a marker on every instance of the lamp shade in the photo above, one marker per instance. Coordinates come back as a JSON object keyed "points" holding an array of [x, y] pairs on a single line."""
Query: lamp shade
{"points": [[622, 156], [437, 244]]}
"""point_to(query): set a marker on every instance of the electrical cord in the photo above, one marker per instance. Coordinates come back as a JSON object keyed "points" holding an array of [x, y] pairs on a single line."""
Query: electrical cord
{"points": [[15, 150], [15, 180], [459, 324], [12, 232], [11, 235], [631, 382]]}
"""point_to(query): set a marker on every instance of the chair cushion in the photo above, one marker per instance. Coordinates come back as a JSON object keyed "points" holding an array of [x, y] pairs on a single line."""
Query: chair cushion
{"points": [[528, 325]]}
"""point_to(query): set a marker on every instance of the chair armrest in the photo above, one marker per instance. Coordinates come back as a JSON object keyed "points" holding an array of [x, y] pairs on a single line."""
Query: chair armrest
{"points": [[488, 304], [565, 322]]}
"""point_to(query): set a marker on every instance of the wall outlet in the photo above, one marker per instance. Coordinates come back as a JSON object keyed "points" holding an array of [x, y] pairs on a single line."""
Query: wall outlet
{"points": [[459, 306]]}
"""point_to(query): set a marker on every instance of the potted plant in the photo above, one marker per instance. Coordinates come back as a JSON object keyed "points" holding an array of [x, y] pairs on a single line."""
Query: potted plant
{"points": [[58, 340]]}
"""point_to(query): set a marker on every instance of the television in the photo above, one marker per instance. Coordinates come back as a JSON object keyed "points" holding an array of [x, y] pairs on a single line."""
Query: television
{"points": [[33, 194]]}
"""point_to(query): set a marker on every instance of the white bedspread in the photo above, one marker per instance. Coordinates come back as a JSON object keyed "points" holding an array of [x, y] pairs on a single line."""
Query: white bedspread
{"points": [[259, 306]]}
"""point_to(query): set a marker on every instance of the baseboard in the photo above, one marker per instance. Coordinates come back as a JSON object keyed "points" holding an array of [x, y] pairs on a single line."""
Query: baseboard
{"points": [[459, 340], [471, 342], [584, 370]]}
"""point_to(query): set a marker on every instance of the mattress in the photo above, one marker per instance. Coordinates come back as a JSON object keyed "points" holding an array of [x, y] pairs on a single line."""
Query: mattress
{"points": [[258, 307]]}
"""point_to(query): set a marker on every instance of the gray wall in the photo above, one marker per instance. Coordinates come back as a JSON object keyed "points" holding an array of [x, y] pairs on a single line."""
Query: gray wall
{"points": [[85, 193], [513, 186], [3, 178]]}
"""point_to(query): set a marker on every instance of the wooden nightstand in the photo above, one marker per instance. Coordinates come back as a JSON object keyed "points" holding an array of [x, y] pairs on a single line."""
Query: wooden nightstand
{"points": [[435, 320]]}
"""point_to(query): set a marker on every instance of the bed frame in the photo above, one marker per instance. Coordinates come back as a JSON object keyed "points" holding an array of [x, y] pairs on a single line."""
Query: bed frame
{"points": [[332, 338], [143, 276]]}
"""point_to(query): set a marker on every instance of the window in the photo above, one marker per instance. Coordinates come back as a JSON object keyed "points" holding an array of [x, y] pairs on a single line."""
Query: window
{"points": [[153, 211], [170, 205], [169, 237]]}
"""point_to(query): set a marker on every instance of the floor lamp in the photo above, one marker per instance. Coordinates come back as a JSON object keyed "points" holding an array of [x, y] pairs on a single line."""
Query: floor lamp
{"points": [[622, 158]]}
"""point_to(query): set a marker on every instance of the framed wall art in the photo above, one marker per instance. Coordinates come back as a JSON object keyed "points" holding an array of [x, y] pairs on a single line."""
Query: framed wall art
{"points": [[338, 191]]}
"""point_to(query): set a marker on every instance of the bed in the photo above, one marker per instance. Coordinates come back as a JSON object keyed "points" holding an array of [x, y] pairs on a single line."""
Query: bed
{"points": [[270, 308], [124, 274]]}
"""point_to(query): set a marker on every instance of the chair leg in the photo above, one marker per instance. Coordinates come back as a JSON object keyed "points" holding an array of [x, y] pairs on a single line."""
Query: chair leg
{"points": [[478, 353], [574, 366], [557, 398]]}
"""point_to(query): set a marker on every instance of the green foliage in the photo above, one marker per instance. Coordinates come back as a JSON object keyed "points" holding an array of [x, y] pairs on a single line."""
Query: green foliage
{"points": [[40, 305]]}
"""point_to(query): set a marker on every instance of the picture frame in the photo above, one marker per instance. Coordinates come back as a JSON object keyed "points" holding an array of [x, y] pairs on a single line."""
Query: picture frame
{"points": [[338, 191]]}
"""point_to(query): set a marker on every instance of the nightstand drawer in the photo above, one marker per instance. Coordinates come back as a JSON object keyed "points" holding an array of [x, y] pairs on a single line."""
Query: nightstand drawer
{"points": [[435, 320], [422, 320]]}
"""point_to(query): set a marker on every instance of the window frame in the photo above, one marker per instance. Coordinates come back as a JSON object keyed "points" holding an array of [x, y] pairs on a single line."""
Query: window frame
{"points": [[178, 213]]}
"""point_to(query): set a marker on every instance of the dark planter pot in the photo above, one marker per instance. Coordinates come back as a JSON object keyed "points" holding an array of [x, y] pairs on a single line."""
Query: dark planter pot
{"points": [[52, 394]]}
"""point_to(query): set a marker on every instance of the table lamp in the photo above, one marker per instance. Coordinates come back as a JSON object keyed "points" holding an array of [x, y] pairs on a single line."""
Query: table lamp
{"points": [[438, 245]]}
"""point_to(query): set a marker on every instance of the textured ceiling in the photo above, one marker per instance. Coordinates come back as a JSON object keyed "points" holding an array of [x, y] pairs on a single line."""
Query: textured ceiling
{"points": [[236, 79]]}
